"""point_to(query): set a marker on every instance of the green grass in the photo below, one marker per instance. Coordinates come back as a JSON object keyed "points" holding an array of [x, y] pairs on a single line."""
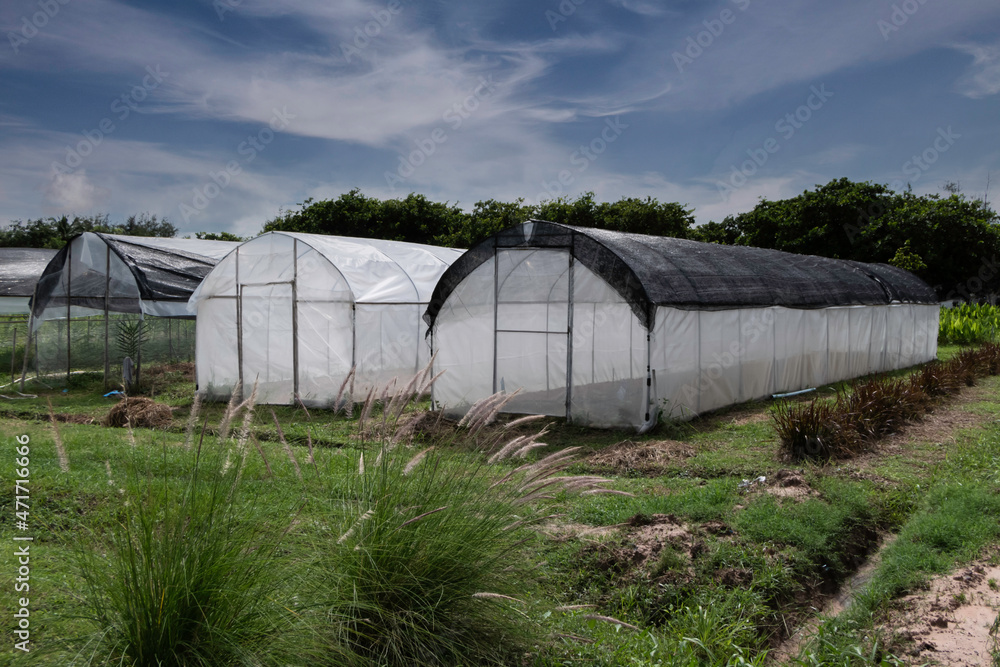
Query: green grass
{"points": [[750, 568]]}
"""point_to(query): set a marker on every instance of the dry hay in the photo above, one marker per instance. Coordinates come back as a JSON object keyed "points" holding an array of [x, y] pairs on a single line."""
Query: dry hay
{"points": [[645, 458], [139, 412]]}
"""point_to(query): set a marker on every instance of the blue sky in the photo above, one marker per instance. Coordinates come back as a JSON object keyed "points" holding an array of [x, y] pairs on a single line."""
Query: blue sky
{"points": [[218, 113]]}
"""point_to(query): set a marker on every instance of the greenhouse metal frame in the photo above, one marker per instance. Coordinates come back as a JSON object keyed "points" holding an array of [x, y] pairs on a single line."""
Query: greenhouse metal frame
{"points": [[293, 313], [111, 276], [610, 329]]}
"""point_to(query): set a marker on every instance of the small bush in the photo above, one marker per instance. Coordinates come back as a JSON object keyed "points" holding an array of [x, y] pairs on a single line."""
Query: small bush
{"points": [[813, 430]]}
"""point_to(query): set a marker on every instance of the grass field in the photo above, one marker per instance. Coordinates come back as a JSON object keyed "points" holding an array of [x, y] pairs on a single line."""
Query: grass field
{"points": [[322, 542]]}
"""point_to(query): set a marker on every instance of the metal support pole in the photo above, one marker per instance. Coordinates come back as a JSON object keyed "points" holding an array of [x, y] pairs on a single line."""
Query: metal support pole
{"points": [[69, 301], [13, 352], [496, 295], [239, 324], [27, 343], [107, 324], [295, 321], [569, 342]]}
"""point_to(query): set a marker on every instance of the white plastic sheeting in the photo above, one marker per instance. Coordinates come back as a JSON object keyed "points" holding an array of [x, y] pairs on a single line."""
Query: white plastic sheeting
{"points": [[295, 312], [20, 269], [538, 321]]}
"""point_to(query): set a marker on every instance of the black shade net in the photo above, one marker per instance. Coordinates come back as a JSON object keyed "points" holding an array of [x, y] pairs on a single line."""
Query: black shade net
{"points": [[650, 271]]}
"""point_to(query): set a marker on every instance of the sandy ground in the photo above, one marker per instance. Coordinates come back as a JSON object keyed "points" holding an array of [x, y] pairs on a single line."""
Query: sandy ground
{"points": [[950, 623]]}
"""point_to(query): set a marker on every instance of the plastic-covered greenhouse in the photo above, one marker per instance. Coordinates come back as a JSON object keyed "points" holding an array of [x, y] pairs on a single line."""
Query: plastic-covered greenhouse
{"points": [[607, 328], [295, 312], [106, 296], [20, 269]]}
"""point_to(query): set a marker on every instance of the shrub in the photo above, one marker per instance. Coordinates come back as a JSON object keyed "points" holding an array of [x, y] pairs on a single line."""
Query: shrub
{"points": [[969, 324], [189, 575]]}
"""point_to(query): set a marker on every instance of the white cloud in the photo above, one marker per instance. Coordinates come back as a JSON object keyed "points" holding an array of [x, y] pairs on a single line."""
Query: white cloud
{"points": [[642, 7], [983, 78], [75, 193]]}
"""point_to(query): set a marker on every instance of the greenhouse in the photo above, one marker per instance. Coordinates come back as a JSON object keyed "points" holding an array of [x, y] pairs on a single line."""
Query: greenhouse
{"points": [[294, 313], [20, 269], [610, 329], [105, 296]]}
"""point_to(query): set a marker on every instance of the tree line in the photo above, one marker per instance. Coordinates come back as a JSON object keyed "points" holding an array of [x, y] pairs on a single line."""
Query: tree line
{"points": [[951, 241], [55, 232]]}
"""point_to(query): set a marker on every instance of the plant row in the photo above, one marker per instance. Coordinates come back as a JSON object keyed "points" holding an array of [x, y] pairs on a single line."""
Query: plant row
{"points": [[875, 406]]}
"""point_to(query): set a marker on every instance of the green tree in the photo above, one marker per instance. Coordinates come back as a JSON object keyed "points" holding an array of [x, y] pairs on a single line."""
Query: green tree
{"points": [[487, 218], [419, 220], [628, 214], [220, 236], [824, 222], [951, 242], [55, 232], [955, 238]]}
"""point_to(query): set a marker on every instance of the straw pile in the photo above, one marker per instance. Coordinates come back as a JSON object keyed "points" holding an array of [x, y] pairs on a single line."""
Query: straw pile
{"points": [[139, 412]]}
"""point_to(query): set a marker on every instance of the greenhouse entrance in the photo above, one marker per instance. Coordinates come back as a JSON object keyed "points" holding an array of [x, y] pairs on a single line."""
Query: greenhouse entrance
{"points": [[267, 341], [534, 328]]}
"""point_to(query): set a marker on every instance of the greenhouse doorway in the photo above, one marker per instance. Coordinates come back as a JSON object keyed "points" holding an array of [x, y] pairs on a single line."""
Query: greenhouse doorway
{"points": [[267, 342], [534, 327]]}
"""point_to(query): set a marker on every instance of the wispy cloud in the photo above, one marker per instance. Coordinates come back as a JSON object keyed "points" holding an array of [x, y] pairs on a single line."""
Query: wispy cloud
{"points": [[983, 78]]}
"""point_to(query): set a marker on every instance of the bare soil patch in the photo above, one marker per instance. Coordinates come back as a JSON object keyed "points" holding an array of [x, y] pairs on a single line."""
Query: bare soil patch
{"points": [[949, 623], [658, 548], [790, 484]]}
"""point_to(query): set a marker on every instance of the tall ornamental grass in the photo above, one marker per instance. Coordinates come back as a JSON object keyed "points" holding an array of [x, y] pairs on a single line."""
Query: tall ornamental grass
{"points": [[427, 567], [191, 572]]}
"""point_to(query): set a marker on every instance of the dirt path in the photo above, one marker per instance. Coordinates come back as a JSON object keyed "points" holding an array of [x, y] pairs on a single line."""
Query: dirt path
{"points": [[791, 647], [950, 623]]}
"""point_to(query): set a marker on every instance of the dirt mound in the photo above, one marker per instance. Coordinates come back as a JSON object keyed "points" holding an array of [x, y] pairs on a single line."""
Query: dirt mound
{"points": [[659, 544], [643, 458], [140, 412], [790, 484]]}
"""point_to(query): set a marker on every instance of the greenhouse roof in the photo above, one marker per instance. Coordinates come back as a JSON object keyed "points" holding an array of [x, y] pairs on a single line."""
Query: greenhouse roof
{"points": [[20, 269], [160, 270], [650, 271], [375, 270]]}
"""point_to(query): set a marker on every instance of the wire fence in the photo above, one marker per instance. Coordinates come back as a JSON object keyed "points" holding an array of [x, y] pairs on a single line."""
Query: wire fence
{"points": [[61, 348]]}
